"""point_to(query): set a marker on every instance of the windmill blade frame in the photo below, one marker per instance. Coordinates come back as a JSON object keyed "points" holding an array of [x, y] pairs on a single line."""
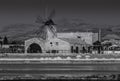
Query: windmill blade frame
{"points": [[52, 14], [53, 30], [39, 19]]}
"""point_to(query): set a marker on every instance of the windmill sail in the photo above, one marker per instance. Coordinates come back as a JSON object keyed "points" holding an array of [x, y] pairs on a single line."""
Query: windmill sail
{"points": [[52, 14], [53, 30], [47, 31]]}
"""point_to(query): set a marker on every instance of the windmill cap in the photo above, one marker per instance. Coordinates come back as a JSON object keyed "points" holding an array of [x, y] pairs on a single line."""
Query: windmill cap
{"points": [[49, 22]]}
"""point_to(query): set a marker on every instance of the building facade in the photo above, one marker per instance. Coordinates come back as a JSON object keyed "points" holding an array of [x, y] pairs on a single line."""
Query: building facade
{"points": [[88, 37]]}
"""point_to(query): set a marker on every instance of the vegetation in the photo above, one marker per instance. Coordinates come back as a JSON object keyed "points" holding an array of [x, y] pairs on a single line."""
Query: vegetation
{"points": [[5, 40]]}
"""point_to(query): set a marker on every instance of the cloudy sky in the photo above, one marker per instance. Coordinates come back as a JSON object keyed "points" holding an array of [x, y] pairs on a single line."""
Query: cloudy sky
{"points": [[25, 11]]}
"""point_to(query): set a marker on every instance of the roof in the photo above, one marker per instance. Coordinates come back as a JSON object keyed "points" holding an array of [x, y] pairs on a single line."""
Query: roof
{"points": [[74, 41], [111, 36]]}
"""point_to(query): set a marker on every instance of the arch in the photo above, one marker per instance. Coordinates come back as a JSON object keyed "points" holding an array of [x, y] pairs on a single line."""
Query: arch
{"points": [[37, 41], [34, 48]]}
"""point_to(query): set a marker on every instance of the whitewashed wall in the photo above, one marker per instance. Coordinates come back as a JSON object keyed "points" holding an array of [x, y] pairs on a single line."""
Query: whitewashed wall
{"points": [[88, 37], [57, 44]]}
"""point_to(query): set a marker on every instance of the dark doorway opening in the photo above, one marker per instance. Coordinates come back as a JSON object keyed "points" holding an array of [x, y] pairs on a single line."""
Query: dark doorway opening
{"points": [[34, 48], [72, 50], [77, 50]]}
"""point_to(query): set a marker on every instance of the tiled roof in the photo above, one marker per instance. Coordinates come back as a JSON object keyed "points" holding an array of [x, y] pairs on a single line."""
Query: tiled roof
{"points": [[111, 36]]}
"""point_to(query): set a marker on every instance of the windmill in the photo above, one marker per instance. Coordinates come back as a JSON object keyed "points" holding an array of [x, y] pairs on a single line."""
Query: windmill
{"points": [[47, 30]]}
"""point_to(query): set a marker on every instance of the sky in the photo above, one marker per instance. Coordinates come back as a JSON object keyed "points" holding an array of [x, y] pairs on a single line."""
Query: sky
{"points": [[25, 11]]}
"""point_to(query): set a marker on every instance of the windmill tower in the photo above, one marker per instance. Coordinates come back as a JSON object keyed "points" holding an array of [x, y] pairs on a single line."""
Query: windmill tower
{"points": [[48, 30]]}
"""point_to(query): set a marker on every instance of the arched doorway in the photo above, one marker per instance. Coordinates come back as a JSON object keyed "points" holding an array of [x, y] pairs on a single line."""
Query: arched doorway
{"points": [[34, 48]]}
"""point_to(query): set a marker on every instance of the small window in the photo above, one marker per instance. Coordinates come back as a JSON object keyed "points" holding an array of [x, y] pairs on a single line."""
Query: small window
{"points": [[50, 42], [57, 43], [78, 36]]}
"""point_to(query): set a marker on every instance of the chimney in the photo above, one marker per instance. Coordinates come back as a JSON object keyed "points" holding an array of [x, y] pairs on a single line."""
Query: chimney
{"points": [[99, 35]]}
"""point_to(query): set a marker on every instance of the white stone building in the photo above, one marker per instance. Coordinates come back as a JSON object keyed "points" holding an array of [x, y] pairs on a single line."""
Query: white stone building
{"points": [[48, 41], [88, 37]]}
